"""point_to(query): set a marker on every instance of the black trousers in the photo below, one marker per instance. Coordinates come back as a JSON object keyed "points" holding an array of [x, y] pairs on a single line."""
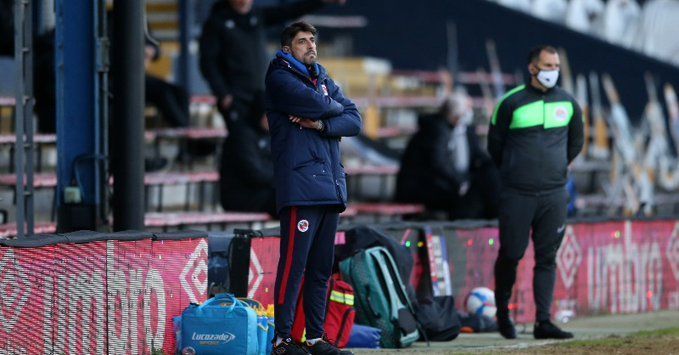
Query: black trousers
{"points": [[250, 110], [545, 214], [307, 248], [171, 100]]}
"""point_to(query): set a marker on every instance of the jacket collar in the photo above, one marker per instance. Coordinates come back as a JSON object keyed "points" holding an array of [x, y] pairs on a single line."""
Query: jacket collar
{"points": [[537, 91], [297, 65]]}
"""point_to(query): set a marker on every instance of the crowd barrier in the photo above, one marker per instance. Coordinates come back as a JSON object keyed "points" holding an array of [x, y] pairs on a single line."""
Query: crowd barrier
{"points": [[98, 293], [116, 293], [603, 267]]}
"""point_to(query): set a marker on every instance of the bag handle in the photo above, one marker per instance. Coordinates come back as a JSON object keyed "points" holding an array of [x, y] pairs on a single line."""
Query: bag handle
{"points": [[401, 286], [222, 297], [251, 302], [382, 268], [247, 233]]}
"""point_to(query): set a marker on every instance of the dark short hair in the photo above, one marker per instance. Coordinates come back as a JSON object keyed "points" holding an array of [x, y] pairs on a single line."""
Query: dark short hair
{"points": [[534, 54], [292, 30]]}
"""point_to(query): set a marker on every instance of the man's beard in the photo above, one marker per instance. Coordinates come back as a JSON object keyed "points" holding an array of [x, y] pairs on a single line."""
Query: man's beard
{"points": [[310, 58]]}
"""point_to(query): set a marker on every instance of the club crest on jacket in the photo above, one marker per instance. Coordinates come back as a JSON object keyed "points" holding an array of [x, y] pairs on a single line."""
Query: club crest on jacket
{"points": [[303, 225]]}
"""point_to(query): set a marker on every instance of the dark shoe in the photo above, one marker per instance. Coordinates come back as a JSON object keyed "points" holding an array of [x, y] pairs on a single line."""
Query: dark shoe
{"points": [[506, 327], [322, 347], [547, 330], [288, 347]]}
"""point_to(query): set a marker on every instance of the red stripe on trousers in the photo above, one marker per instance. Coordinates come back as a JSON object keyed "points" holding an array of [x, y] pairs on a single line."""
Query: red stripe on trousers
{"points": [[288, 258]]}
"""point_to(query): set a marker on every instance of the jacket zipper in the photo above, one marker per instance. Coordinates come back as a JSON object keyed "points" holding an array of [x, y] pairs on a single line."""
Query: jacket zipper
{"points": [[542, 133], [306, 78], [332, 168]]}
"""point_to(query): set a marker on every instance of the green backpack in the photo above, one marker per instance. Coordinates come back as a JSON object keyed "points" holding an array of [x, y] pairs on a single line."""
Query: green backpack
{"points": [[381, 298]]}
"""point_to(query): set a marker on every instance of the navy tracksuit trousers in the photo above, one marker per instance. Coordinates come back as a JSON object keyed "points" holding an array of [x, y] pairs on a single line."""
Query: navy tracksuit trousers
{"points": [[545, 214], [307, 249]]}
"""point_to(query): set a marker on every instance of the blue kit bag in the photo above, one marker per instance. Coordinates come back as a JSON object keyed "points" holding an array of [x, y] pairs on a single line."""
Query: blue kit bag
{"points": [[364, 337], [264, 334], [222, 325]]}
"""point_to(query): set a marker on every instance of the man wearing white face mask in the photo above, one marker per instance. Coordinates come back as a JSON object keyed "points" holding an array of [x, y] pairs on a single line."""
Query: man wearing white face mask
{"points": [[535, 133]]}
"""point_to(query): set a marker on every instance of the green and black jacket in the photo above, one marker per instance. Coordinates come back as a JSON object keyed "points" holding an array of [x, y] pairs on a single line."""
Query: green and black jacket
{"points": [[533, 137]]}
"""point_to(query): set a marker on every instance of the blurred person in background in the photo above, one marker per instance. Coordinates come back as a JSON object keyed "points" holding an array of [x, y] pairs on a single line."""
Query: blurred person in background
{"points": [[171, 100], [6, 28], [621, 22], [550, 10], [44, 82], [445, 168], [585, 16], [233, 56], [172, 103], [535, 133], [246, 170], [522, 5], [656, 35]]}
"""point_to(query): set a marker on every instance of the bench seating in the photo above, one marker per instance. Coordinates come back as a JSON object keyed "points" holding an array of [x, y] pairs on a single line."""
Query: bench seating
{"points": [[149, 135], [169, 220], [47, 180]]}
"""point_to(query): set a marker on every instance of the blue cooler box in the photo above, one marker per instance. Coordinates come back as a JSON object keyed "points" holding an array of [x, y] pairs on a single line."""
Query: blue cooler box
{"points": [[222, 325]]}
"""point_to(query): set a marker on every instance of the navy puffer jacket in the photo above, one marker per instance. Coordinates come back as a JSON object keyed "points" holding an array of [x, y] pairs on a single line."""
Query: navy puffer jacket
{"points": [[307, 163]]}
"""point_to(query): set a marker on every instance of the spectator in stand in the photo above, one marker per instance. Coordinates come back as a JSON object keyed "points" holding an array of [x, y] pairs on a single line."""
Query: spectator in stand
{"points": [[6, 28], [444, 166], [550, 10], [657, 30], [522, 5], [585, 15], [621, 21], [171, 100], [233, 56], [44, 83], [246, 171]]}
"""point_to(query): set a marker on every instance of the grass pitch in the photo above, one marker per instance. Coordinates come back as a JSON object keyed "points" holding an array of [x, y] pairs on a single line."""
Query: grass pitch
{"points": [[663, 341]]}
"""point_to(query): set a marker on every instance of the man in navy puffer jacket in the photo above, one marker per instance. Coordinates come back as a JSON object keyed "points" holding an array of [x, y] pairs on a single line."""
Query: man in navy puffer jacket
{"points": [[308, 114]]}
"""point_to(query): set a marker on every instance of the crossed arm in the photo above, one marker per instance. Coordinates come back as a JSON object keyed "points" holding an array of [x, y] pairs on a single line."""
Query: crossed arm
{"points": [[333, 115]]}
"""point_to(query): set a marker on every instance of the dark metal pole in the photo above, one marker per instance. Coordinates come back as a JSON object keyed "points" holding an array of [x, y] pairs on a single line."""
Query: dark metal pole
{"points": [[19, 152], [101, 111], [127, 121], [185, 36], [24, 149]]}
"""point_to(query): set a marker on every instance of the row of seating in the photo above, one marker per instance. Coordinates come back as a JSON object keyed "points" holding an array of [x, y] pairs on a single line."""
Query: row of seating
{"points": [[180, 220], [149, 135], [49, 180], [165, 220]]}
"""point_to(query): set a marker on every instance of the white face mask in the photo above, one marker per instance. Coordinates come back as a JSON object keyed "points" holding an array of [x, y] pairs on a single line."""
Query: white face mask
{"points": [[548, 78]]}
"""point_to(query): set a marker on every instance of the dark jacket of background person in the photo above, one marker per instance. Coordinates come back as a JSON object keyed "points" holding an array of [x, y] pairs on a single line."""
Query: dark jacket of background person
{"points": [[6, 28], [428, 174], [246, 171], [534, 155], [171, 100], [233, 56], [307, 163], [44, 83]]}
